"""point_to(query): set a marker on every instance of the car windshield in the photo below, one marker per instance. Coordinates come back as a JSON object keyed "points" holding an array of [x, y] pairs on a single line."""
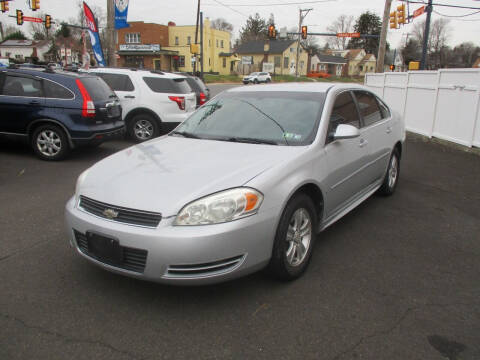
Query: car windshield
{"points": [[279, 118], [253, 74]]}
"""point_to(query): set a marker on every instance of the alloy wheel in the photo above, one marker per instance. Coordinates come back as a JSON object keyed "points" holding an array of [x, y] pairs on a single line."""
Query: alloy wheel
{"points": [[49, 143], [299, 235], [143, 129], [393, 172]]}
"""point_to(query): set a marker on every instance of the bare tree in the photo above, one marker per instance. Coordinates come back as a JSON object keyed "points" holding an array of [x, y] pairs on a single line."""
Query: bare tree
{"points": [[221, 24], [38, 30], [342, 24], [438, 37]]}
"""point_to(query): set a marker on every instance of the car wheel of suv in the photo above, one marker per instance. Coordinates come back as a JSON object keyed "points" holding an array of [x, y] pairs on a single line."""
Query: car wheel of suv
{"points": [[143, 127], [255, 81], [391, 177], [50, 142], [294, 239], [268, 80]]}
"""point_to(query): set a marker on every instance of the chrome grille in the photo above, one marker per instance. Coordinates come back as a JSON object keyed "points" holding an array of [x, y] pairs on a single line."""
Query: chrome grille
{"points": [[133, 259], [123, 215], [205, 269]]}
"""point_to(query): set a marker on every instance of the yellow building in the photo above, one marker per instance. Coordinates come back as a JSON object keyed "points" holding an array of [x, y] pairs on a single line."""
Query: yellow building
{"points": [[359, 62], [216, 48], [282, 54]]}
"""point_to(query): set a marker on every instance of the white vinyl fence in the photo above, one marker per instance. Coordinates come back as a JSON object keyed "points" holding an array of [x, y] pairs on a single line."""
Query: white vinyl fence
{"points": [[443, 104]]}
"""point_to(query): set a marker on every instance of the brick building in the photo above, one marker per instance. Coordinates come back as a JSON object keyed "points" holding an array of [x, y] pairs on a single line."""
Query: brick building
{"points": [[142, 46]]}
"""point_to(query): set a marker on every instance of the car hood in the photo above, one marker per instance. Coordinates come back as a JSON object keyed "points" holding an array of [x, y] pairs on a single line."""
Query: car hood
{"points": [[165, 174]]}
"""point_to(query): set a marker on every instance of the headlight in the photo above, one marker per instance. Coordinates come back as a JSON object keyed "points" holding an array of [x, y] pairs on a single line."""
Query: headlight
{"points": [[80, 181], [221, 207]]}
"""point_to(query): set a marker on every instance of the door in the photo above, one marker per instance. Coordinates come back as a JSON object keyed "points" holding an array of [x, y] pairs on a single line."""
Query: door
{"points": [[157, 64], [377, 130], [346, 159], [21, 101], [124, 88]]}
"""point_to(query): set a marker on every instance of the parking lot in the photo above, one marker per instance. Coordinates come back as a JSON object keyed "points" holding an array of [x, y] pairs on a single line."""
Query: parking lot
{"points": [[397, 278]]}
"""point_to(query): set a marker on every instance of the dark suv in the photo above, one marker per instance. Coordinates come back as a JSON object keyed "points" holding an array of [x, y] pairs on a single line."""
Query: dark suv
{"points": [[198, 86], [57, 111]]}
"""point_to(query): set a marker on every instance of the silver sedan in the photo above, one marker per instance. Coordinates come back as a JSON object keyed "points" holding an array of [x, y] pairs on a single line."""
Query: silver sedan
{"points": [[247, 182]]}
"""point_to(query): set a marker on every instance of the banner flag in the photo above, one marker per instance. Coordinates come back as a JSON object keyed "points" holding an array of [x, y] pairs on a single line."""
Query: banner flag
{"points": [[94, 36], [121, 12]]}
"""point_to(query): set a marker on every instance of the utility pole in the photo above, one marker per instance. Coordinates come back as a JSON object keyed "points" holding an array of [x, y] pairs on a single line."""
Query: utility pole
{"points": [[111, 38], [196, 38], [300, 20], [423, 62], [201, 45], [383, 37]]}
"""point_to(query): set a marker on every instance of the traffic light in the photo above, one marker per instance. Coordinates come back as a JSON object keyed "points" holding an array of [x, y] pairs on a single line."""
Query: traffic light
{"points": [[393, 20], [392, 67], [48, 21], [19, 17], [272, 33], [35, 5], [401, 14], [304, 32], [4, 6]]}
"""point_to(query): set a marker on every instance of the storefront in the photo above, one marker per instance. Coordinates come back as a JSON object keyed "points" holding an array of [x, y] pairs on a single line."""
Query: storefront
{"points": [[147, 56]]}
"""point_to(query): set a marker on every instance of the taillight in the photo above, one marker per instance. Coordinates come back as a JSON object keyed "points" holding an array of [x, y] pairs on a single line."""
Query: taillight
{"points": [[203, 98], [88, 107], [180, 100]]}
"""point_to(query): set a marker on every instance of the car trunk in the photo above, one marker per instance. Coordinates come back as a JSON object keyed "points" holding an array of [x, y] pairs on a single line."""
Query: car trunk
{"points": [[107, 104]]}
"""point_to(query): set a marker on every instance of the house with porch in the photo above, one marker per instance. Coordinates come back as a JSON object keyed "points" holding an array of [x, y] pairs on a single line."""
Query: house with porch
{"points": [[333, 65]]}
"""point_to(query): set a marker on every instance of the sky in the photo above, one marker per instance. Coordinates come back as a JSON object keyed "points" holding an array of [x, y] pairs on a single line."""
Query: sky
{"points": [[183, 12]]}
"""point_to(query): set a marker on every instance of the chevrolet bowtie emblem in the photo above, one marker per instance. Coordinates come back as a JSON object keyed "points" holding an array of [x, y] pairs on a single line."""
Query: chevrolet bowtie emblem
{"points": [[110, 213]]}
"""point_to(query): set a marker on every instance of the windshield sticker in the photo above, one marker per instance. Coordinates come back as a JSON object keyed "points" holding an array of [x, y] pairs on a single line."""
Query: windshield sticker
{"points": [[291, 136]]}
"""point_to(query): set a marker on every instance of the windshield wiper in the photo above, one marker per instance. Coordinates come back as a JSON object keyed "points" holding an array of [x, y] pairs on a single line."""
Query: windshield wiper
{"points": [[185, 134], [250, 140]]}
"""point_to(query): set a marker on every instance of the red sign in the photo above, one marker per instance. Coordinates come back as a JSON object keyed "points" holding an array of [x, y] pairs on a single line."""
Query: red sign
{"points": [[354, 35], [32, 19], [419, 11]]}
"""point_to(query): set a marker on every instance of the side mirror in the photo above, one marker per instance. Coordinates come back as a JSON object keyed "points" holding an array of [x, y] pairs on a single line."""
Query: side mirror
{"points": [[345, 131]]}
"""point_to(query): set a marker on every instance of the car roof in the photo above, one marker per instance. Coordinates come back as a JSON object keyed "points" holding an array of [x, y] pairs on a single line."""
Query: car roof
{"points": [[49, 74], [292, 87], [138, 71]]}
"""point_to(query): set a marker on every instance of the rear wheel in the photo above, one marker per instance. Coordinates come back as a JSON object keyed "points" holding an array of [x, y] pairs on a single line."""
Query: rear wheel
{"points": [[49, 142], [391, 177], [268, 80], [143, 127], [294, 239]]}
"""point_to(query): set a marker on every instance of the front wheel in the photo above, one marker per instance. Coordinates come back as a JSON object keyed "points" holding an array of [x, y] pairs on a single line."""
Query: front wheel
{"points": [[294, 239], [255, 81], [391, 177]]}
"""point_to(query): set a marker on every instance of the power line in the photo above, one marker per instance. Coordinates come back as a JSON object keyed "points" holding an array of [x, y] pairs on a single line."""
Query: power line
{"points": [[456, 16], [446, 5], [273, 4], [229, 7]]}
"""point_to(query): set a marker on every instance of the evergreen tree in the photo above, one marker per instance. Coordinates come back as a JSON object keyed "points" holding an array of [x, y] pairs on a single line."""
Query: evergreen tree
{"points": [[256, 28], [367, 23]]}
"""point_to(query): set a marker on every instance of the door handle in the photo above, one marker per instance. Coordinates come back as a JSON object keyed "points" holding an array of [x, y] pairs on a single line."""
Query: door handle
{"points": [[389, 130], [362, 143], [34, 102], [129, 97]]}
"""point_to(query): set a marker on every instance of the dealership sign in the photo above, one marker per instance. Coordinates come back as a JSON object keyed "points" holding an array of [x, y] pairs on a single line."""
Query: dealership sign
{"points": [[247, 60], [140, 47]]}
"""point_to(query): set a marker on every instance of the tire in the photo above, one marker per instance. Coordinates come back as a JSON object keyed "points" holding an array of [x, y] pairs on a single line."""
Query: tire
{"points": [[49, 142], [391, 177], [268, 80], [288, 260], [255, 81], [143, 127]]}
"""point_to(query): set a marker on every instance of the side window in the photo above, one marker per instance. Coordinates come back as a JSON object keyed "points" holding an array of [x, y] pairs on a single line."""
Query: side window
{"points": [[22, 86], [56, 91], [368, 107], [344, 112], [384, 109], [118, 82]]}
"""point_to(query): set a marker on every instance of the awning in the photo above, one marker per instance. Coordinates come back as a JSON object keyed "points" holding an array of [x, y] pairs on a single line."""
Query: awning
{"points": [[148, 53]]}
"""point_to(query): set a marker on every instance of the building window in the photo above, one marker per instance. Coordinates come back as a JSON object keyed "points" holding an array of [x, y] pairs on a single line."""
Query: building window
{"points": [[285, 62], [292, 50], [217, 42], [7, 54], [221, 44], [18, 56], [278, 61], [209, 42], [301, 64], [224, 62], [181, 61], [176, 40], [134, 61], [209, 62], [189, 40], [132, 38]]}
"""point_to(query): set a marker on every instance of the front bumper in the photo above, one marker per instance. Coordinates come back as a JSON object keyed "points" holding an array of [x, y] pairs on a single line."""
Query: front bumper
{"points": [[184, 254]]}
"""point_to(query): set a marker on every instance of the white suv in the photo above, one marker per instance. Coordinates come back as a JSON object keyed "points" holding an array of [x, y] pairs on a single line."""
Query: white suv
{"points": [[257, 77], [153, 102]]}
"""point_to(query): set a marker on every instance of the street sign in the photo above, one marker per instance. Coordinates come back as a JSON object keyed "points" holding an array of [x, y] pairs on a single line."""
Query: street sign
{"points": [[247, 60], [353, 35], [419, 11], [32, 19]]}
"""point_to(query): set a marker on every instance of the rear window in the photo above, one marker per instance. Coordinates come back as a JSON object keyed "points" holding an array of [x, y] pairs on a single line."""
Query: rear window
{"points": [[118, 82], [196, 84], [171, 86], [97, 88]]}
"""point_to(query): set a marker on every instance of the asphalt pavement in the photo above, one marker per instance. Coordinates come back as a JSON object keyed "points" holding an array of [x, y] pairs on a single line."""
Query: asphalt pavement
{"points": [[397, 278]]}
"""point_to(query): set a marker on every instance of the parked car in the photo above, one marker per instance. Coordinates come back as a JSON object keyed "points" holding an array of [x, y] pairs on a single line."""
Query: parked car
{"points": [[54, 66], [199, 87], [153, 102], [257, 77], [57, 111], [246, 182]]}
